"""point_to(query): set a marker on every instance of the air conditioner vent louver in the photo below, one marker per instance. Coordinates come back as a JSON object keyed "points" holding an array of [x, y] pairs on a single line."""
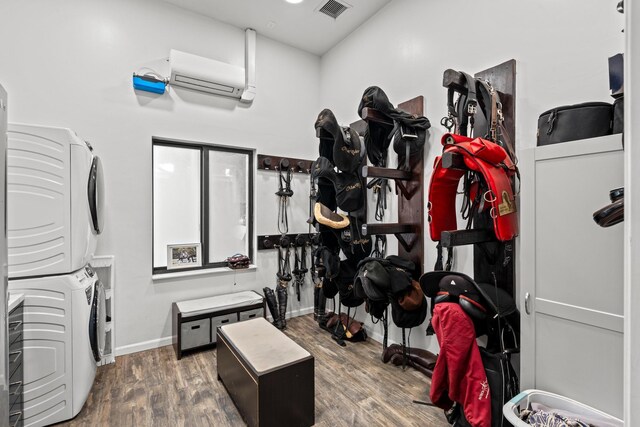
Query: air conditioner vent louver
{"points": [[333, 8]]}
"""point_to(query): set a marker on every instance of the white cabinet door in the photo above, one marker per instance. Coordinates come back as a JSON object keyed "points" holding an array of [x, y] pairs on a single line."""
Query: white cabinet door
{"points": [[571, 273]]}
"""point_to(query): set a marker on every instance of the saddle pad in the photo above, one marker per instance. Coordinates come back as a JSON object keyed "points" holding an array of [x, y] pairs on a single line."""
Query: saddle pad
{"points": [[217, 303], [262, 345]]}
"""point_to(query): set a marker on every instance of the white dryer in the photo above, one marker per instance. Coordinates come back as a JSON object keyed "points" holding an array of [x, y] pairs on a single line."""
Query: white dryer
{"points": [[54, 200], [63, 338]]}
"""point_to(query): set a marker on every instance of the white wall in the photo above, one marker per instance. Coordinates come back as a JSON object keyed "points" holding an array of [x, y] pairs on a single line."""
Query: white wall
{"points": [[70, 63], [561, 49]]}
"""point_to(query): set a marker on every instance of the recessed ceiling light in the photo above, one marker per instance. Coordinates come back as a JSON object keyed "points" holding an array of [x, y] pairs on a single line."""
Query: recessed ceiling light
{"points": [[294, 1]]}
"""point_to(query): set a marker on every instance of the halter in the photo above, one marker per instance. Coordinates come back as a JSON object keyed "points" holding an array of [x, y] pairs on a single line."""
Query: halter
{"points": [[300, 263], [284, 261]]}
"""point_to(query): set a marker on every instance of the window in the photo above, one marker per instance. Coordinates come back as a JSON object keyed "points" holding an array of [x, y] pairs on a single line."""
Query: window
{"points": [[202, 194]]}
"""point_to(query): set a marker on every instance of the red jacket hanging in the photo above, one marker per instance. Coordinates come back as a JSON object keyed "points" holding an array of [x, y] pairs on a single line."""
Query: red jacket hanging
{"points": [[459, 375], [494, 165]]}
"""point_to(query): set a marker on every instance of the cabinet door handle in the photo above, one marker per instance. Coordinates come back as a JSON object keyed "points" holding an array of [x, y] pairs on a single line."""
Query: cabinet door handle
{"points": [[17, 354], [18, 416], [527, 299], [16, 323], [17, 385]]}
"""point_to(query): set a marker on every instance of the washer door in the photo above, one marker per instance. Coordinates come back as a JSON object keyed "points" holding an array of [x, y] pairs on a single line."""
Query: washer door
{"points": [[97, 322], [95, 190]]}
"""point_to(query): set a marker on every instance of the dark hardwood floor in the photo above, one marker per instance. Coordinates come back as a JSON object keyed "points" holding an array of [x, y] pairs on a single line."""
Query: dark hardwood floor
{"points": [[353, 388]]}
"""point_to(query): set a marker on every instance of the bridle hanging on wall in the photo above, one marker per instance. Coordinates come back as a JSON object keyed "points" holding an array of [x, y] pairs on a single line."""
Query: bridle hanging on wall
{"points": [[300, 263], [380, 188], [284, 193], [313, 195], [284, 261], [380, 246]]}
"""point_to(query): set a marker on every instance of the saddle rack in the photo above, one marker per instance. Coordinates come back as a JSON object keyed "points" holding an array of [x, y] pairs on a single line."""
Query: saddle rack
{"points": [[409, 230], [503, 78]]}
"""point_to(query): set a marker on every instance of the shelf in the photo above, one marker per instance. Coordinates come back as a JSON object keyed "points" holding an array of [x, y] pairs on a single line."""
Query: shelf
{"points": [[370, 114], [202, 272], [390, 228], [450, 239], [407, 234], [375, 172]]}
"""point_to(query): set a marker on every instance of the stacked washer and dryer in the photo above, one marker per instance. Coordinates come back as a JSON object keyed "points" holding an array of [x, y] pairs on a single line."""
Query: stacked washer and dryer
{"points": [[55, 200]]}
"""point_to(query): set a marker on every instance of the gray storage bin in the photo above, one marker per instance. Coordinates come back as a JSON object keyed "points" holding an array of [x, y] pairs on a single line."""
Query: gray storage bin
{"points": [[554, 401], [251, 314], [225, 319], [195, 333]]}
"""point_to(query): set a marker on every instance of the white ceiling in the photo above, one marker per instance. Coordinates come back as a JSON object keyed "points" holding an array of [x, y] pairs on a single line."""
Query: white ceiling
{"points": [[297, 25]]}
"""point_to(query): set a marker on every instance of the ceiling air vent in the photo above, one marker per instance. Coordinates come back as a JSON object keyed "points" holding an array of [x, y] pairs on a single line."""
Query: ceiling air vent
{"points": [[333, 8]]}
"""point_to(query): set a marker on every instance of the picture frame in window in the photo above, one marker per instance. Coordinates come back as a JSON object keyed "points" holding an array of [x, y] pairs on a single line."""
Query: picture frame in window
{"points": [[184, 255]]}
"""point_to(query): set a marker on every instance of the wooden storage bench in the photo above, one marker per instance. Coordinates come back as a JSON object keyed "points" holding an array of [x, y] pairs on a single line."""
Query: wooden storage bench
{"points": [[195, 321], [269, 377]]}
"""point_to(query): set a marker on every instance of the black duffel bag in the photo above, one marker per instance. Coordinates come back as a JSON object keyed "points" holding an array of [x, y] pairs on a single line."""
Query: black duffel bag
{"points": [[573, 122]]}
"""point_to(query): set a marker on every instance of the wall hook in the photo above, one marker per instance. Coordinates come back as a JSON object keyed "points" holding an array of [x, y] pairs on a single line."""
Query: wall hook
{"points": [[266, 163]]}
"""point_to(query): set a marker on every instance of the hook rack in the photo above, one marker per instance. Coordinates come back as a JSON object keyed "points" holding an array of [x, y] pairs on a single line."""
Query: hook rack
{"points": [[268, 162], [282, 240]]}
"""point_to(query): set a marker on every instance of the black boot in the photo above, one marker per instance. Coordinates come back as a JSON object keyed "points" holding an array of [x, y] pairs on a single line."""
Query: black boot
{"points": [[273, 306], [282, 306], [316, 302], [322, 304]]}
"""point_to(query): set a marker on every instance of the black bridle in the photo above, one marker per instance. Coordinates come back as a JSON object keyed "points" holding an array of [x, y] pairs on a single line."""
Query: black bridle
{"points": [[300, 263], [284, 193]]}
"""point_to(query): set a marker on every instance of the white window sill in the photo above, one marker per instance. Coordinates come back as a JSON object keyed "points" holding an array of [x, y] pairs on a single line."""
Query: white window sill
{"points": [[206, 272]]}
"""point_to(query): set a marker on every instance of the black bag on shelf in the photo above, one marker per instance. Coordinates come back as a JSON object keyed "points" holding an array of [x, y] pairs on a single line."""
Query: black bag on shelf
{"points": [[618, 115], [573, 122]]}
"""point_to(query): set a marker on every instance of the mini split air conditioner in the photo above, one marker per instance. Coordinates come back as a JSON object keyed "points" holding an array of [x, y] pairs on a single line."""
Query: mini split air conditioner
{"points": [[216, 77]]}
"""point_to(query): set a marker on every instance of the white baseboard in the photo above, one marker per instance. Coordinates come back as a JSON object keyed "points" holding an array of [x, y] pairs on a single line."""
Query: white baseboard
{"points": [[293, 313], [378, 337], [142, 346], [301, 312], [161, 342]]}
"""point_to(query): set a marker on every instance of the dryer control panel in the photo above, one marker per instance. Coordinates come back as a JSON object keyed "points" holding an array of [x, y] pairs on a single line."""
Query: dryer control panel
{"points": [[88, 291], [87, 278]]}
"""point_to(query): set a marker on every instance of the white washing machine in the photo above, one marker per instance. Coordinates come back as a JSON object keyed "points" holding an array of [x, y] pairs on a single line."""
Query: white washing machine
{"points": [[54, 200], [63, 338]]}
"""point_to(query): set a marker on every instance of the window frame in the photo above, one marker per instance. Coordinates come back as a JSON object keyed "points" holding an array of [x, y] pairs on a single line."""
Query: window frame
{"points": [[204, 149]]}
